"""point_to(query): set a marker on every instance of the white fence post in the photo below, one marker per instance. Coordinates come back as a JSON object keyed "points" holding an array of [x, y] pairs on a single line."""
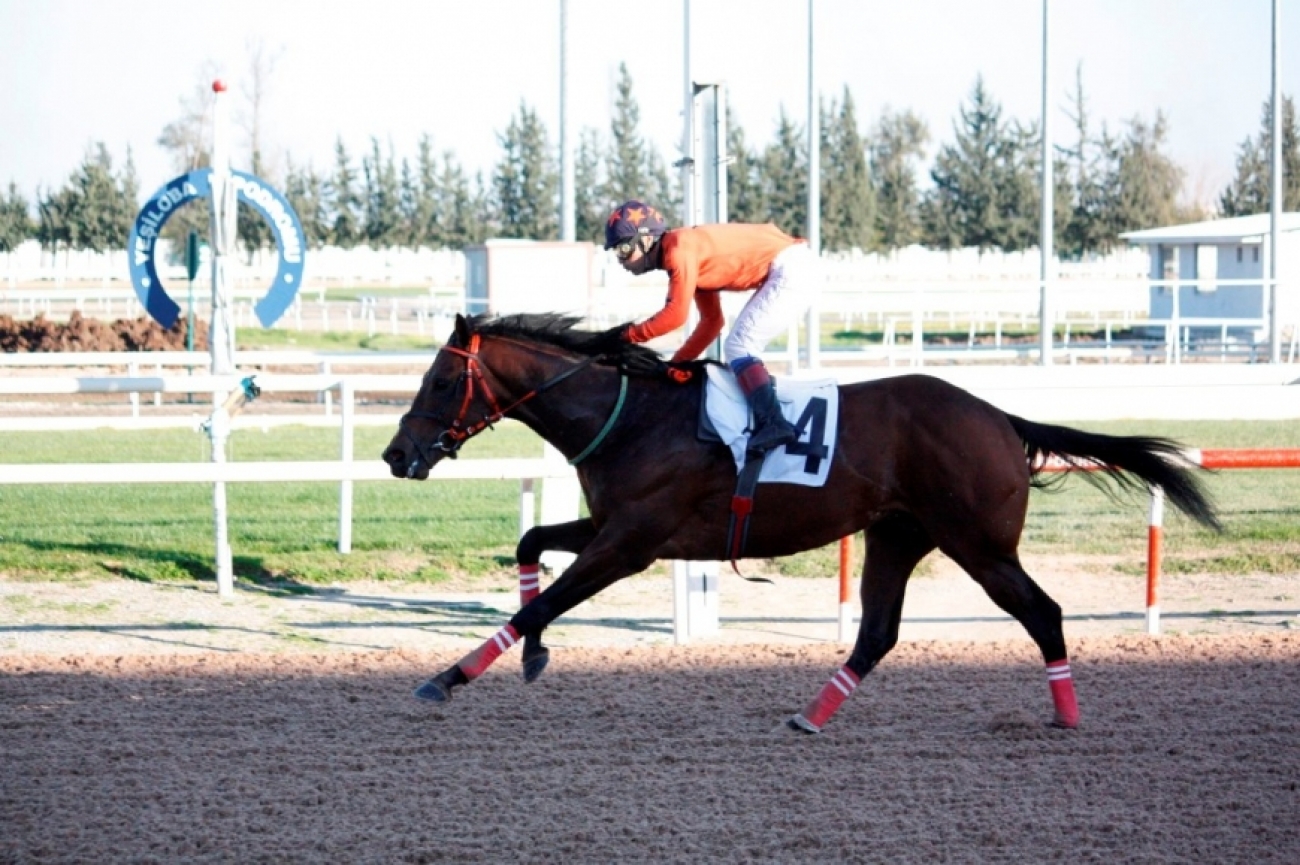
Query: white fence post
{"points": [[561, 497], [346, 398]]}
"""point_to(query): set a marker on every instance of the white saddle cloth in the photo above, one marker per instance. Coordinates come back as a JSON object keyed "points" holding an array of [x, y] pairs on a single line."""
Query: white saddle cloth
{"points": [[812, 406]]}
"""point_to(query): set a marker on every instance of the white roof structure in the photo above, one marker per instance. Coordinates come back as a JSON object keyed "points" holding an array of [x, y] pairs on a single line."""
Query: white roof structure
{"points": [[1234, 229]]}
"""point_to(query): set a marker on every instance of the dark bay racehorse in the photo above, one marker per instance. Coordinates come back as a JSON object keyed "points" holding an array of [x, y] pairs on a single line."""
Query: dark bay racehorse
{"points": [[920, 464]]}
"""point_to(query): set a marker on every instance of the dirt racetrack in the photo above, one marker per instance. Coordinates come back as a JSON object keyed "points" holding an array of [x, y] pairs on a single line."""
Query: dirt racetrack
{"points": [[1189, 752]]}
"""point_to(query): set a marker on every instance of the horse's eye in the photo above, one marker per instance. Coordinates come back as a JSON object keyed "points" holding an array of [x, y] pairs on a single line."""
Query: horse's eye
{"points": [[441, 384]]}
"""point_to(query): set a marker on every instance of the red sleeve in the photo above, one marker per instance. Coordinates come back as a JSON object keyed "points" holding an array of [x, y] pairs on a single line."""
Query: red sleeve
{"points": [[683, 267], [711, 322]]}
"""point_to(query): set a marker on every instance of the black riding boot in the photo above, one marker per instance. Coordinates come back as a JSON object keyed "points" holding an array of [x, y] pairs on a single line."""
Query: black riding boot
{"points": [[771, 429]]}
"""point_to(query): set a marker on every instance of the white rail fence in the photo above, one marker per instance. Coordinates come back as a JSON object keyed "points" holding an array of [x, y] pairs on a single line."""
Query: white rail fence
{"points": [[1063, 393], [559, 491]]}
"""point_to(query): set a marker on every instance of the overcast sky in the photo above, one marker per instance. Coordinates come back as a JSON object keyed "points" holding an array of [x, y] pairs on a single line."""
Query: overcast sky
{"points": [[73, 72]]}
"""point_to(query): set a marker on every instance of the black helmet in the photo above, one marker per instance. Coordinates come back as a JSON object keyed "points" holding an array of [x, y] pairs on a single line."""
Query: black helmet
{"points": [[631, 220]]}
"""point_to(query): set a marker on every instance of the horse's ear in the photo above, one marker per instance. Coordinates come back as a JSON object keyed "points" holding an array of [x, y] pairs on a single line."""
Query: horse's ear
{"points": [[462, 330]]}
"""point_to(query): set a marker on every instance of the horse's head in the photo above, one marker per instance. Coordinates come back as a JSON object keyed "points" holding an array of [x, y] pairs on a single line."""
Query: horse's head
{"points": [[529, 354], [452, 404]]}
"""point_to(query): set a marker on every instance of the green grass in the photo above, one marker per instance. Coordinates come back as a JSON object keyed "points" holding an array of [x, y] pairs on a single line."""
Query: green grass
{"points": [[284, 533], [461, 534]]}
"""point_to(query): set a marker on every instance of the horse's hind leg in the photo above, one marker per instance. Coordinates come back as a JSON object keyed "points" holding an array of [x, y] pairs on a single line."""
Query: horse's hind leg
{"points": [[895, 544], [571, 537], [1011, 588]]}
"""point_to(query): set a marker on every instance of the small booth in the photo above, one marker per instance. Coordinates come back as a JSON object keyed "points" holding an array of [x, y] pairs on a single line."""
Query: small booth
{"points": [[512, 276]]}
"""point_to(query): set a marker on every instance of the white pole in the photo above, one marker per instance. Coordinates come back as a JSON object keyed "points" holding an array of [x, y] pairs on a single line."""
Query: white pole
{"points": [[221, 334], [527, 505], [1275, 211], [1045, 252], [347, 397], [813, 317], [568, 219], [688, 121]]}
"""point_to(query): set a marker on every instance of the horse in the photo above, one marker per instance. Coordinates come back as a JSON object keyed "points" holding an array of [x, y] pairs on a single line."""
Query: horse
{"points": [[920, 465]]}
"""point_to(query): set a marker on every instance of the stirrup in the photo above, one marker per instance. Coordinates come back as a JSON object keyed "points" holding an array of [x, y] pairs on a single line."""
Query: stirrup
{"points": [[772, 436]]}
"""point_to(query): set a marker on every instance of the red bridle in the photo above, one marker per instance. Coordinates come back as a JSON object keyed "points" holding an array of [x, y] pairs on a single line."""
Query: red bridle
{"points": [[450, 439]]}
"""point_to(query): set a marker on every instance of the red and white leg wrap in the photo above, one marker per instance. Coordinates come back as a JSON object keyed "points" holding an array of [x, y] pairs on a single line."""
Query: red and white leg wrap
{"points": [[473, 664], [1062, 685], [530, 583], [827, 703]]}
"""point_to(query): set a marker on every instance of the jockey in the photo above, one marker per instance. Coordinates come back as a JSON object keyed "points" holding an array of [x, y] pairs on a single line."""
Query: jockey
{"points": [[706, 259]]}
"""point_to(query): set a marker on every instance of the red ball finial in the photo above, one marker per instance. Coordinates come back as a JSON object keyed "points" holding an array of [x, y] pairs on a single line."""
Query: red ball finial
{"points": [[218, 86]]}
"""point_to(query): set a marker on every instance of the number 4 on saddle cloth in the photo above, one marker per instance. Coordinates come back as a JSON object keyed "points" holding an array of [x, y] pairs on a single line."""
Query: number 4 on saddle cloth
{"points": [[814, 409], [812, 406]]}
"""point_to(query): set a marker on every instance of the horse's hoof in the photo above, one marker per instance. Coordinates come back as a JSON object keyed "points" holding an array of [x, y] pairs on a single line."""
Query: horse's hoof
{"points": [[799, 724], [1060, 724], [534, 664], [433, 691]]}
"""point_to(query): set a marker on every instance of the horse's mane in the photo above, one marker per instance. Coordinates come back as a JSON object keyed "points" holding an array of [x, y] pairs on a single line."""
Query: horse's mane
{"points": [[551, 328]]}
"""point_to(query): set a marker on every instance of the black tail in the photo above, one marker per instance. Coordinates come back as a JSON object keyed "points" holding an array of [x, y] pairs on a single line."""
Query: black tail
{"points": [[1123, 459]]}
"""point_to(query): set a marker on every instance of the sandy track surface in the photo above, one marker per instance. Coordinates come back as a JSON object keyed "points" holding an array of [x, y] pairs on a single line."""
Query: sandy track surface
{"points": [[157, 723], [1187, 753], [130, 617]]}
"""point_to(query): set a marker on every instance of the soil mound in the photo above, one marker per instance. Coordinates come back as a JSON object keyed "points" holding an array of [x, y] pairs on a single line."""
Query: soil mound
{"points": [[89, 334]]}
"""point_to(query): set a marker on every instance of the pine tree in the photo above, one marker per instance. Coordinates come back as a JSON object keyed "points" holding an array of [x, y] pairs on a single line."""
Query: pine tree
{"points": [[455, 210], [785, 177], [746, 197], [1142, 182], [482, 222], [664, 188], [590, 206], [626, 175], [896, 144], [1251, 190], [16, 224], [425, 230], [1083, 228], [304, 188], [408, 206], [527, 180], [985, 182], [254, 231], [53, 222], [91, 211], [383, 217], [848, 200], [344, 200]]}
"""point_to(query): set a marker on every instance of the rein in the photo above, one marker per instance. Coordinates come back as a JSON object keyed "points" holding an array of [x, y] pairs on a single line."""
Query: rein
{"points": [[460, 431]]}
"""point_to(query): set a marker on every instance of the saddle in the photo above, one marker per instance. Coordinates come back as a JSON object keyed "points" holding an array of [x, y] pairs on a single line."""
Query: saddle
{"points": [[813, 408]]}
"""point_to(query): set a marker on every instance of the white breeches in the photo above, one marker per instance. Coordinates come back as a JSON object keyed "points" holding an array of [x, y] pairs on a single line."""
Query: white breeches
{"points": [[793, 284]]}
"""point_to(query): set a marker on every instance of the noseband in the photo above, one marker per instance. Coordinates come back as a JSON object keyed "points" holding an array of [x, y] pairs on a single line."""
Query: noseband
{"points": [[451, 439]]}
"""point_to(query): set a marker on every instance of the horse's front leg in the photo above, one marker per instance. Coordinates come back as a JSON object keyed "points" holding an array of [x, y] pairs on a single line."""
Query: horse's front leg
{"points": [[599, 565], [571, 537]]}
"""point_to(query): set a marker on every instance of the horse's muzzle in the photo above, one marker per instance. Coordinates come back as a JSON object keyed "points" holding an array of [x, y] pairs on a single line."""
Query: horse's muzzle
{"points": [[404, 465]]}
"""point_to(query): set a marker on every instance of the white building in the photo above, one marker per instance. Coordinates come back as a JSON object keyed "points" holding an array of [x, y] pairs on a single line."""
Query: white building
{"points": [[1213, 264]]}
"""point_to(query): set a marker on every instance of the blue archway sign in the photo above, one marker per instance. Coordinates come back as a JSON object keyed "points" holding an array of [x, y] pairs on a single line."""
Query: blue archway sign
{"points": [[261, 196]]}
